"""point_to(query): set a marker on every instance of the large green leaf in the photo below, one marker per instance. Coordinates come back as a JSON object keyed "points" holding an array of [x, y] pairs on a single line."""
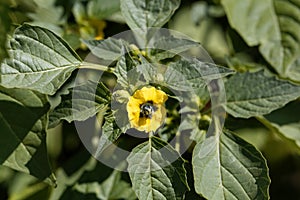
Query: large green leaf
{"points": [[5, 25], [143, 14], [227, 167], [39, 60], [257, 94], [23, 138], [274, 25], [82, 102], [157, 171]]}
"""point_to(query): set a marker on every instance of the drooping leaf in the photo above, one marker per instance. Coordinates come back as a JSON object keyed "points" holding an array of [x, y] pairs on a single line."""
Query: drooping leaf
{"points": [[273, 25], [193, 74], [5, 25], [108, 49], [288, 132], [82, 102], [143, 14], [168, 47], [253, 94], [112, 188], [39, 60], [227, 167], [23, 123], [157, 171], [285, 123]]}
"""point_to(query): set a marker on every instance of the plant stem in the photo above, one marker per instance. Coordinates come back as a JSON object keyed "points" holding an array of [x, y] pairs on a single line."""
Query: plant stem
{"points": [[87, 65], [177, 143]]}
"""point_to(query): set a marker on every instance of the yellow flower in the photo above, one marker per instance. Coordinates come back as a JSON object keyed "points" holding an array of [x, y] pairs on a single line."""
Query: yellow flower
{"points": [[146, 111]]}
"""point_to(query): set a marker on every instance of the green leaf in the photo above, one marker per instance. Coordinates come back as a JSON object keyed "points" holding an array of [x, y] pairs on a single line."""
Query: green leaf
{"points": [[227, 167], [112, 188], [23, 123], [126, 70], [273, 25], [82, 102], [108, 49], [39, 60], [100, 9], [290, 132], [5, 25], [157, 171], [110, 133], [168, 47], [193, 74], [285, 123], [257, 94], [143, 14]]}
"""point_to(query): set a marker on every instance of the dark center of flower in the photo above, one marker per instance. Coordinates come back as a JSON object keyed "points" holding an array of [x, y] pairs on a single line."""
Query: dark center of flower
{"points": [[147, 109]]}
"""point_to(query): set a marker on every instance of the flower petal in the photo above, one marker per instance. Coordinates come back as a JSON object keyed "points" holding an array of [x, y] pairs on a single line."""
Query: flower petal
{"points": [[144, 95]]}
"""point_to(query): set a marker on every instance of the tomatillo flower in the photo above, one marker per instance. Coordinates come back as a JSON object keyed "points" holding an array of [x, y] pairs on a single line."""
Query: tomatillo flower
{"points": [[146, 111]]}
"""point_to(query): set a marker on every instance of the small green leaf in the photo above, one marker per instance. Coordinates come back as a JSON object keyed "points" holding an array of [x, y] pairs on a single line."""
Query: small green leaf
{"points": [[108, 49], [157, 171], [227, 167], [193, 74], [110, 133], [273, 25], [5, 25], [39, 60], [143, 14], [168, 47], [23, 123], [290, 131], [257, 94], [82, 102], [285, 123], [100, 9], [126, 70]]}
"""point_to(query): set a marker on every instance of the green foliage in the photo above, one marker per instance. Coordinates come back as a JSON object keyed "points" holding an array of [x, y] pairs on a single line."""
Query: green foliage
{"points": [[109, 49], [145, 14], [155, 173], [39, 60], [258, 94], [23, 134], [218, 157], [82, 102], [274, 26], [45, 86], [5, 25]]}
